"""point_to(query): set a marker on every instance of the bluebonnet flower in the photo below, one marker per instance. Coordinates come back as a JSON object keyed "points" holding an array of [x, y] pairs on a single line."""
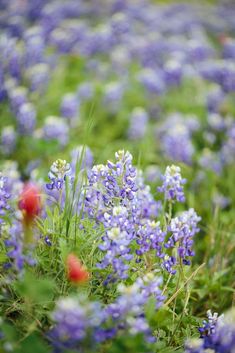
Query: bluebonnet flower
{"points": [[14, 63], [152, 173], [216, 122], [173, 72], [153, 81], [172, 186], [211, 160], [26, 119], [175, 135], [13, 183], [116, 241], [15, 245], [209, 325], [228, 50], [34, 45], [113, 94], [74, 321], [17, 97], [177, 145], [221, 201], [56, 129], [4, 198], [183, 229], [144, 204], [209, 137], [223, 339], [111, 184], [217, 335], [220, 72], [77, 319], [69, 106], [47, 240], [38, 76], [85, 91], [138, 123], [3, 92], [59, 171], [103, 37], [215, 99], [199, 50], [120, 59], [150, 286], [127, 312], [118, 198], [150, 236], [169, 263], [8, 139], [228, 148], [194, 346], [17, 254], [119, 24]]}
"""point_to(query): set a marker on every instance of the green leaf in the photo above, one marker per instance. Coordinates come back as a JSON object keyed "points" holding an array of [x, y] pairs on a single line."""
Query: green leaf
{"points": [[33, 343], [35, 290]]}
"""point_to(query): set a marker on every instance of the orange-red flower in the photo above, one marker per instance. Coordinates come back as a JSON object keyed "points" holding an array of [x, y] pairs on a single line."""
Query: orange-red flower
{"points": [[30, 202], [76, 271]]}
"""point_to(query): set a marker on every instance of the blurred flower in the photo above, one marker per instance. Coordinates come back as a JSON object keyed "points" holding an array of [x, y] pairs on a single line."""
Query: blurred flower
{"points": [[76, 271], [56, 129], [30, 202], [74, 320], [38, 76], [113, 93], [70, 106], [81, 155], [8, 139], [152, 173], [16, 252], [211, 161], [138, 123], [217, 335], [17, 97], [152, 80], [175, 135], [173, 183], [26, 119], [4, 197], [85, 91]]}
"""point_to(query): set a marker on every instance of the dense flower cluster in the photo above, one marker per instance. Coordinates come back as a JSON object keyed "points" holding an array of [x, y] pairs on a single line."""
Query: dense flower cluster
{"points": [[118, 198], [138, 123], [158, 79], [55, 128], [17, 254], [4, 197], [77, 319], [218, 335], [183, 229], [74, 320], [176, 136], [172, 186], [111, 37]]}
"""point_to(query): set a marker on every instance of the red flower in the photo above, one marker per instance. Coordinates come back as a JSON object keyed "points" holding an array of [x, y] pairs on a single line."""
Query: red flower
{"points": [[30, 202], [76, 271], [223, 38]]}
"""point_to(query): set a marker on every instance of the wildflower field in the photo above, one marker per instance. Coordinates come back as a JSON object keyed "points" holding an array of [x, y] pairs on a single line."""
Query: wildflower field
{"points": [[117, 176]]}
